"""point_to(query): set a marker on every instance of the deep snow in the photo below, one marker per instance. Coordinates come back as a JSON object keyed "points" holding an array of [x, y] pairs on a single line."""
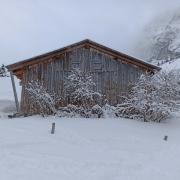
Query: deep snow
{"points": [[91, 149]]}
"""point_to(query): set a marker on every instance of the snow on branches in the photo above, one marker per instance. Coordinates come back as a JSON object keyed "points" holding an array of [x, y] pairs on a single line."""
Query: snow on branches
{"points": [[79, 89], [40, 99], [3, 71], [168, 88], [152, 98]]}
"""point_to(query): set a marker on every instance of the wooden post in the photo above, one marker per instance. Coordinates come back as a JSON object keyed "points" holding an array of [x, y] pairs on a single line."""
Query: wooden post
{"points": [[14, 91], [165, 138], [53, 128]]}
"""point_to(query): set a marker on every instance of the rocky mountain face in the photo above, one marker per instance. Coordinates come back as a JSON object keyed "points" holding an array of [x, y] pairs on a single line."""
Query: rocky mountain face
{"points": [[161, 43]]}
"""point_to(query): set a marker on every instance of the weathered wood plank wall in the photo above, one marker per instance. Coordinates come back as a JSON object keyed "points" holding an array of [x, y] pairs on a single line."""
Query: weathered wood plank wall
{"points": [[112, 77]]}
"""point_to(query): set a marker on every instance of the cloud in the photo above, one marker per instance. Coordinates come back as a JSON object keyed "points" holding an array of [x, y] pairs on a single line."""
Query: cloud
{"points": [[33, 27]]}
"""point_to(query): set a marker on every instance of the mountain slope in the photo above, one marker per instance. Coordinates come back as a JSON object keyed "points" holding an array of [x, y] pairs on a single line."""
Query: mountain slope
{"points": [[161, 40], [172, 65]]}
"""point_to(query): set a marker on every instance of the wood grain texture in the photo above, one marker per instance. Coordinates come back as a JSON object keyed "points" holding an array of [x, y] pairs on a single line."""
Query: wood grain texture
{"points": [[111, 76]]}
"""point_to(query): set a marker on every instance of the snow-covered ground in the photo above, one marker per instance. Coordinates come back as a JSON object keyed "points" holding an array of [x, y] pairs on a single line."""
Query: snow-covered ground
{"points": [[91, 149], [85, 149]]}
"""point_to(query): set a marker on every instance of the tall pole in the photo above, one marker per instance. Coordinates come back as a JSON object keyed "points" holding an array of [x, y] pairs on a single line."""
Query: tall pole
{"points": [[14, 91]]}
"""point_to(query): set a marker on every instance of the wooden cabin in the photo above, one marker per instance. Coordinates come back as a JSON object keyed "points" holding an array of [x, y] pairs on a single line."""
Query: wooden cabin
{"points": [[111, 70]]}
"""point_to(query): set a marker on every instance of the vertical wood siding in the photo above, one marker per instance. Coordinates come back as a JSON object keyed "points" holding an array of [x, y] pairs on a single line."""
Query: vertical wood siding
{"points": [[112, 77]]}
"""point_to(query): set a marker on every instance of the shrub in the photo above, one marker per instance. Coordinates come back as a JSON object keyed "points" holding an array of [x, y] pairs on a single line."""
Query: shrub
{"points": [[152, 97], [40, 100], [97, 111], [79, 90], [3, 71]]}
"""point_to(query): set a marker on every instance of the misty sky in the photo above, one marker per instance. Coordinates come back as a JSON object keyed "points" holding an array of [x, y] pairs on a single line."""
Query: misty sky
{"points": [[32, 27]]}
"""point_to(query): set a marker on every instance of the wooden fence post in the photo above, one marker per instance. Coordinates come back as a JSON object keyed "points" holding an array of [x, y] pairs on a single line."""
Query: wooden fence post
{"points": [[14, 91], [165, 138], [53, 128]]}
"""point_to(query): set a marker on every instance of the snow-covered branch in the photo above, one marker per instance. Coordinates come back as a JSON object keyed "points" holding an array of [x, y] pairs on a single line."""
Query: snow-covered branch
{"points": [[153, 97], [79, 89], [40, 99], [3, 71]]}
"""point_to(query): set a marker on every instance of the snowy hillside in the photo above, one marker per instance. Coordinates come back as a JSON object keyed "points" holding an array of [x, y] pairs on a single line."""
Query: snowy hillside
{"points": [[172, 65], [160, 41]]}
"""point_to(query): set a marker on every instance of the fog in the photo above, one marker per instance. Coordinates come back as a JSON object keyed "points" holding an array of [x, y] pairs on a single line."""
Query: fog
{"points": [[29, 28]]}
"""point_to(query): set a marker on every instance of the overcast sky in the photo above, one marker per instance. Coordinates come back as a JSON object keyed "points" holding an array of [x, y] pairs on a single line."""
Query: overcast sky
{"points": [[32, 27]]}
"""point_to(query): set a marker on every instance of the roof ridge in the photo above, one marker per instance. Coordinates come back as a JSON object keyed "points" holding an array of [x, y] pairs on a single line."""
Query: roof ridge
{"points": [[90, 42]]}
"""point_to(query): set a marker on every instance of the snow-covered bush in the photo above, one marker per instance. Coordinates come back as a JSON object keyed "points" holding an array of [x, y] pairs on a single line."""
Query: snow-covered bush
{"points": [[3, 71], [146, 112], [109, 111], [168, 88], [68, 111], [40, 100], [80, 93], [152, 97], [73, 111], [79, 90], [106, 111], [97, 111]]}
